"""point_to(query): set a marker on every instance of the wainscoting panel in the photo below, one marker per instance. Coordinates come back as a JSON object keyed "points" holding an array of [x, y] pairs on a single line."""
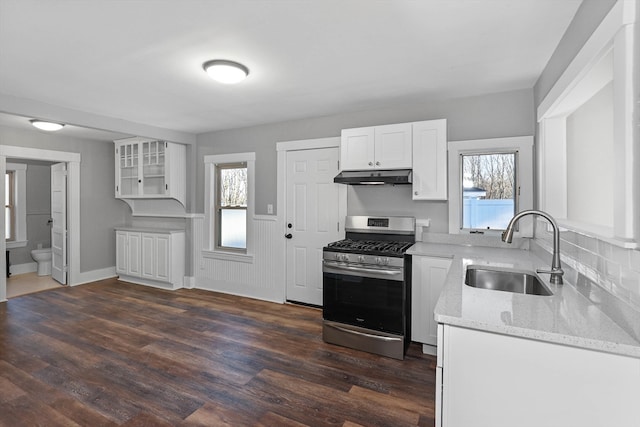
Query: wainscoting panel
{"points": [[263, 278]]}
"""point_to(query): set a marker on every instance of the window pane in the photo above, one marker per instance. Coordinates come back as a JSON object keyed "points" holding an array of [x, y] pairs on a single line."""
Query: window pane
{"points": [[233, 187], [233, 228], [488, 194], [7, 224], [7, 189]]}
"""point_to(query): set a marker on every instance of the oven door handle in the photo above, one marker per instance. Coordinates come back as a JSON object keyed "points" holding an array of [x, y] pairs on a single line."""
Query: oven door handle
{"points": [[336, 266], [363, 334]]}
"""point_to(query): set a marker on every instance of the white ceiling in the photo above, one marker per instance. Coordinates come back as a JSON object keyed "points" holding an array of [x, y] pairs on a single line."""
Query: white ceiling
{"points": [[140, 61]]}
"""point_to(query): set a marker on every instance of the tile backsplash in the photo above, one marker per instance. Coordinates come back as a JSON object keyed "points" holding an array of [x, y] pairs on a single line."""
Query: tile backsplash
{"points": [[614, 269]]}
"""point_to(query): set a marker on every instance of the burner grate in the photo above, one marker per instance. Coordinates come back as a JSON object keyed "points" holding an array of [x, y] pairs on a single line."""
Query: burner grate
{"points": [[377, 246]]}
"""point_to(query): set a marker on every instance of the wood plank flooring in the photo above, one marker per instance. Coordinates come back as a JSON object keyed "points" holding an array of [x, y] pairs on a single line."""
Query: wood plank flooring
{"points": [[117, 354]]}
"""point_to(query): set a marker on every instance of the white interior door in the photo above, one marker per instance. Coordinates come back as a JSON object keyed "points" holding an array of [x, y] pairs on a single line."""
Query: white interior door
{"points": [[315, 212], [59, 225]]}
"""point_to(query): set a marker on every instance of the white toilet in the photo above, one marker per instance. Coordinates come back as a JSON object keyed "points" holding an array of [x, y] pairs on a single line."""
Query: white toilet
{"points": [[43, 258]]}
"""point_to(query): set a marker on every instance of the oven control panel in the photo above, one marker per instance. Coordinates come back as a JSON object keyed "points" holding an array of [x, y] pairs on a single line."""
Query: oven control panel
{"points": [[378, 222], [363, 259]]}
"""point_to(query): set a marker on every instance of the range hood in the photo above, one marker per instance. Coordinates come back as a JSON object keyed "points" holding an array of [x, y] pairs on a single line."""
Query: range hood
{"points": [[373, 177]]}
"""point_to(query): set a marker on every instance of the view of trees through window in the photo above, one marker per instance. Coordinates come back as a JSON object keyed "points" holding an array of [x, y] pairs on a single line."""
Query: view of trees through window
{"points": [[489, 190], [233, 186], [232, 206]]}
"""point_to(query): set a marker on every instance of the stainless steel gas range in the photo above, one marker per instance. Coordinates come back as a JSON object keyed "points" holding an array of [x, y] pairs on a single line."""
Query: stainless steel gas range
{"points": [[366, 286]]}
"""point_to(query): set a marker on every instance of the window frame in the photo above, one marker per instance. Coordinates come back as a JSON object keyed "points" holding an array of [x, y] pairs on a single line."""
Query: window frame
{"points": [[19, 172], [212, 249], [219, 167], [523, 146], [10, 205]]}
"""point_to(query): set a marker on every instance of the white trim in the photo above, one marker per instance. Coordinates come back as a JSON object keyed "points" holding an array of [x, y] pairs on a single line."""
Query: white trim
{"points": [[228, 256], [189, 282], [17, 244], [265, 217], [524, 169], [73, 204], [622, 13], [38, 154], [210, 162], [308, 144], [95, 275], [20, 204]]}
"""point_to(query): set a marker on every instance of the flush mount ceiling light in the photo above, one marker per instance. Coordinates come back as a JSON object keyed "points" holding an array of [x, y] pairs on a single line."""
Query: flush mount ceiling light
{"points": [[48, 126], [227, 72]]}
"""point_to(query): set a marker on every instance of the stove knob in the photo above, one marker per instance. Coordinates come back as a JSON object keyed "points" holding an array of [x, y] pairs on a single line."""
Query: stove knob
{"points": [[378, 260], [385, 261], [361, 258], [345, 257]]}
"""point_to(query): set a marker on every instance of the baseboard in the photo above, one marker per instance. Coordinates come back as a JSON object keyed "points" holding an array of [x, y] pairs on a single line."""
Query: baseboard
{"points": [[95, 275], [189, 282], [147, 282], [28, 267]]}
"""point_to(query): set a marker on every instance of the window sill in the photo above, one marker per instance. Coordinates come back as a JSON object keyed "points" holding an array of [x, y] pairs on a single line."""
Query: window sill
{"points": [[595, 232], [228, 256], [16, 244]]}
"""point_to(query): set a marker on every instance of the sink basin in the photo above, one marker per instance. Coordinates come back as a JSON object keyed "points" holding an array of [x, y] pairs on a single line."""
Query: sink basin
{"points": [[500, 279]]}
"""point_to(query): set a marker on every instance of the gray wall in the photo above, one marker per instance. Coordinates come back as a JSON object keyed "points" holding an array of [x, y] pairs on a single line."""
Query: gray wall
{"points": [[38, 210], [488, 116], [99, 210]]}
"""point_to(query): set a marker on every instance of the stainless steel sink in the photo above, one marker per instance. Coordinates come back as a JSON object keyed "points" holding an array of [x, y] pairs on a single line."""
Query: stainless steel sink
{"points": [[502, 279]]}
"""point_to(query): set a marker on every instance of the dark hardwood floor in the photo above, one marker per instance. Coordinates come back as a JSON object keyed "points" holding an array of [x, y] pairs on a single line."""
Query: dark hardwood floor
{"points": [[117, 354]]}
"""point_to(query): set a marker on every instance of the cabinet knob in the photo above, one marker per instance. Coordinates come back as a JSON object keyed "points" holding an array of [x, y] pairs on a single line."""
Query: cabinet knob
{"points": [[377, 163], [370, 163], [415, 193]]}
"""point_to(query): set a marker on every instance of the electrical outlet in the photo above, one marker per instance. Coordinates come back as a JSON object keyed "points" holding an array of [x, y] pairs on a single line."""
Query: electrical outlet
{"points": [[270, 209]]}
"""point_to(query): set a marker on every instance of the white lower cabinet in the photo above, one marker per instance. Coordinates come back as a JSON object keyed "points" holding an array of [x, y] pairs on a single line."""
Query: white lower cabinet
{"points": [[490, 379], [151, 258], [428, 275]]}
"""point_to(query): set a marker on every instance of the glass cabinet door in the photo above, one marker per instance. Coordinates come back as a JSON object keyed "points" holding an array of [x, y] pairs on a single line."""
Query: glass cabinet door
{"points": [[153, 168], [129, 168]]}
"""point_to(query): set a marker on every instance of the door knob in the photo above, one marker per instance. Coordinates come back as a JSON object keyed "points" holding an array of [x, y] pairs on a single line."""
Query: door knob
{"points": [[288, 235]]}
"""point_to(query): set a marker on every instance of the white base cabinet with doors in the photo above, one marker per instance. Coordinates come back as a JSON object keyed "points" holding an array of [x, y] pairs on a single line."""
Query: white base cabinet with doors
{"points": [[151, 257], [494, 380], [150, 169], [428, 275]]}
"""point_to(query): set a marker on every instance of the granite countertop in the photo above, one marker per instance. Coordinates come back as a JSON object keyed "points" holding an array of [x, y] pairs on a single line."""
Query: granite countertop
{"points": [[566, 317]]}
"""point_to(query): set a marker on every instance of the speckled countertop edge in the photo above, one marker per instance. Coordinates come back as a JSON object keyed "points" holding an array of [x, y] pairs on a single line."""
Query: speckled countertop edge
{"points": [[566, 318]]}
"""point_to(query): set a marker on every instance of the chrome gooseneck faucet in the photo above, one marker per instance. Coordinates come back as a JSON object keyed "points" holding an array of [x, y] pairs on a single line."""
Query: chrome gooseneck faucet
{"points": [[556, 270]]}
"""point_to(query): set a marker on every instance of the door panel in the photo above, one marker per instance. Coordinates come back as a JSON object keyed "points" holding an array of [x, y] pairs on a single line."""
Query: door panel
{"points": [[59, 224], [315, 208]]}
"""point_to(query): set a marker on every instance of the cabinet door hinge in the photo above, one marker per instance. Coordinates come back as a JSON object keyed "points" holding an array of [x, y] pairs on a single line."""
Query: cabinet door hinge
{"points": [[166, 186]]}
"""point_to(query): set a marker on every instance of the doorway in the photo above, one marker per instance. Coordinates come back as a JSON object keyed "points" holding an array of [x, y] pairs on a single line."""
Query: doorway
{"points": [[72, 205], [313, 208]]}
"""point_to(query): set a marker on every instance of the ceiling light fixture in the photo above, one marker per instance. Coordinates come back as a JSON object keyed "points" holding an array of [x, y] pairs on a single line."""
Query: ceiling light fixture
{"points": [[48, 126], [227, 72]]}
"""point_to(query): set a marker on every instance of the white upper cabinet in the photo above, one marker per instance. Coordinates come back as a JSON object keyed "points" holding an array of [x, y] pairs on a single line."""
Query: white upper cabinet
{"points": [[379, 147], [430, 160], [150, 169]]}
